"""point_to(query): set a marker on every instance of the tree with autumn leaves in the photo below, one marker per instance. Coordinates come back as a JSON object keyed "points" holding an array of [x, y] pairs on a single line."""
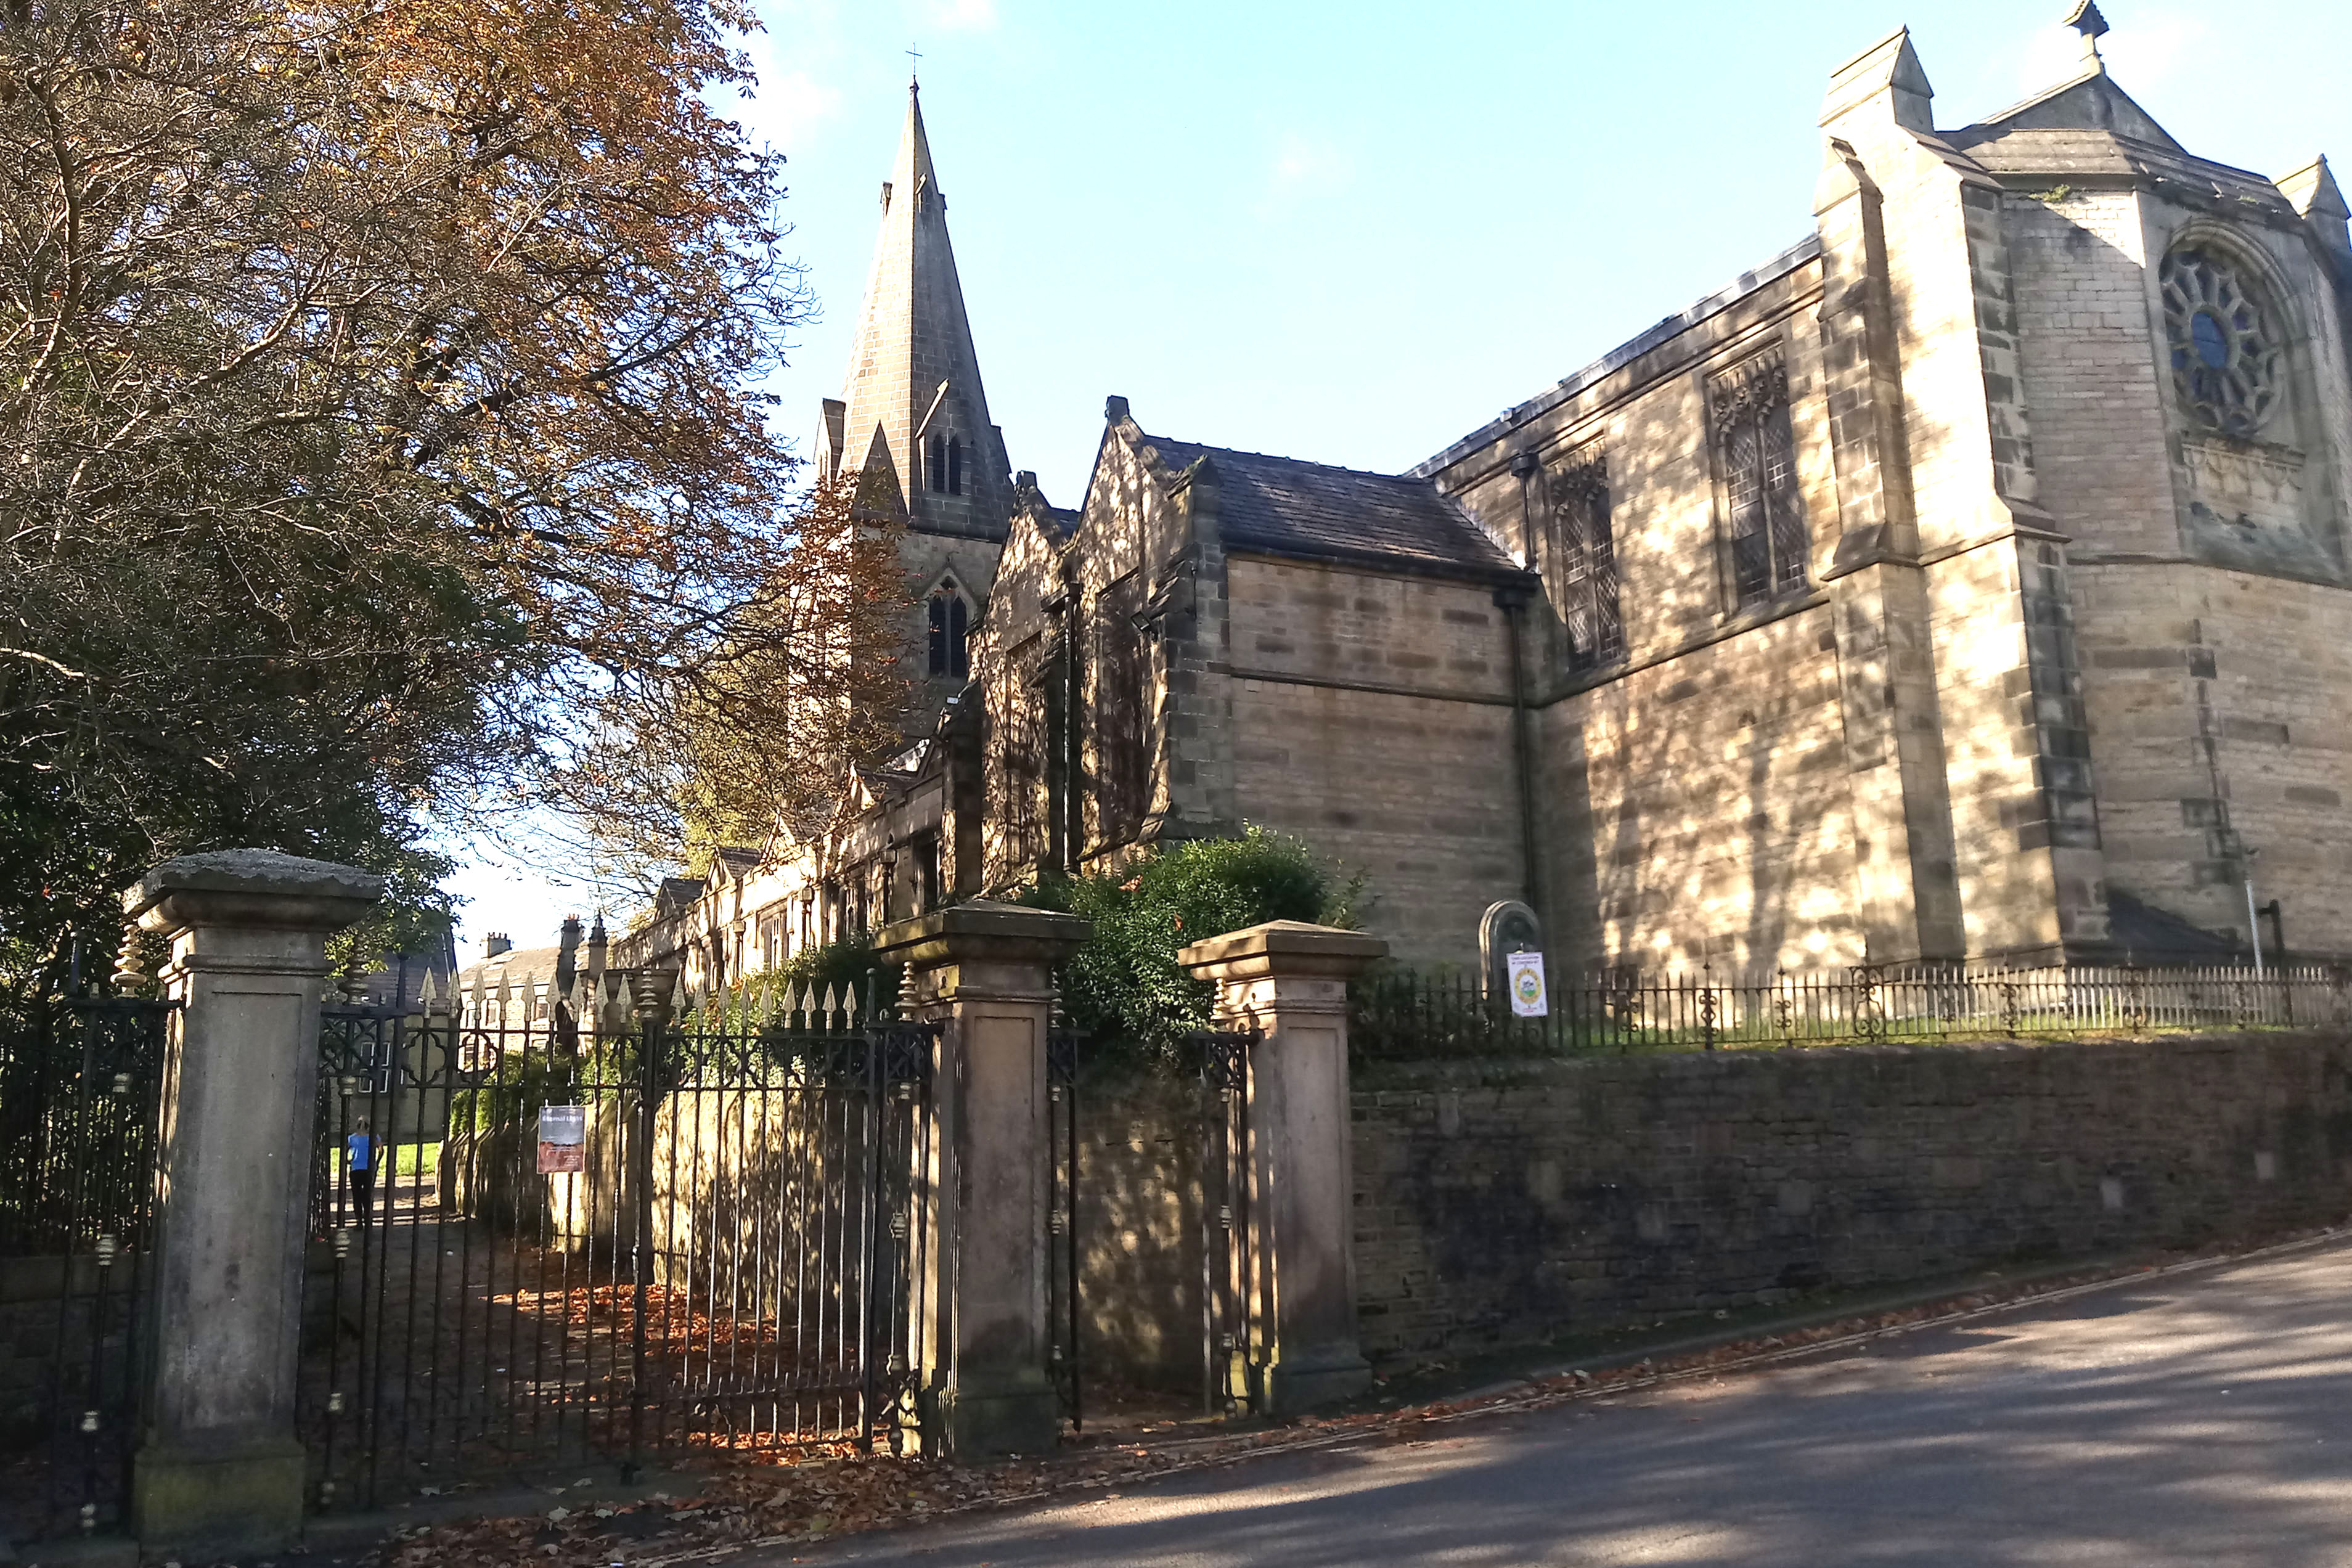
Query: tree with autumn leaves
{"points": [[378, 384]]}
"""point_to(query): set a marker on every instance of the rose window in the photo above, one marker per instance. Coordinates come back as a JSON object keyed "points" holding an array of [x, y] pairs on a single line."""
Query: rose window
{"points": [[2224, 357]]}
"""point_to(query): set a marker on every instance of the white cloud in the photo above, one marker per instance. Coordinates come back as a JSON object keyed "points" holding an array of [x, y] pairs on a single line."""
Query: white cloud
{"points": [[959, 16]]}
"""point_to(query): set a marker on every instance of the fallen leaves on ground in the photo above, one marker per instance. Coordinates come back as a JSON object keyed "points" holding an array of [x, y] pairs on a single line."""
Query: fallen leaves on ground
{"points": [[783, 1500]]}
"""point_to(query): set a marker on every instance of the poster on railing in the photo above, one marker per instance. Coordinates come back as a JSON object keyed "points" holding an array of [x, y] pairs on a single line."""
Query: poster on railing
{"points": [[563, 1138], [1529, 998]]}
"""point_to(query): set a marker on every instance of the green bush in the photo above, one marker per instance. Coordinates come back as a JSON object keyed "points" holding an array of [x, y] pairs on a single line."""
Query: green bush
{"points": [[1124, 988], [510, 1094]]}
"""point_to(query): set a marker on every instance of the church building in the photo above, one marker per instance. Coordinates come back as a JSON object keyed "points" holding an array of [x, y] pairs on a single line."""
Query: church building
{"points": [[1967, 581]]}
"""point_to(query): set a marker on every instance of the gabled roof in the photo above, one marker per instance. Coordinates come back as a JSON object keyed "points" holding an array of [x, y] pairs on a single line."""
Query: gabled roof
{"points": [[730, 861], [677, 893], [1284, 506], [2090, 101], [2088, 128]]}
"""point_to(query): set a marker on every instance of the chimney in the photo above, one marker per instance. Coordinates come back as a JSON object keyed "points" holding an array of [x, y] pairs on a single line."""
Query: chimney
{"points": [[495, 943], [567, 954]]}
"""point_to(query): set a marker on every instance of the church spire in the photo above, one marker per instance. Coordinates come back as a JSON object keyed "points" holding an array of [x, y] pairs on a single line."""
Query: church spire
{"points": [[912, 401]]}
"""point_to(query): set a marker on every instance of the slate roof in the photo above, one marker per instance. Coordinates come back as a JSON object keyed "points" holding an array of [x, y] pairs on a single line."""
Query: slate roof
{"points": [[1284, 506]]}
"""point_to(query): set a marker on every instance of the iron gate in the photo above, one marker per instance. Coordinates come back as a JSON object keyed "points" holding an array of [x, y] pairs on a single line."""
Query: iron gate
{"points": [[725, 1258], [1224, 1063], [1217, 1128], [82, 1095]]}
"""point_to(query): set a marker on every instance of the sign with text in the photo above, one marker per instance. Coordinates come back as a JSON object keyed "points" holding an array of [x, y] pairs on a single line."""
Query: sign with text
{"points": [[563, 1138], [1528, 999]]}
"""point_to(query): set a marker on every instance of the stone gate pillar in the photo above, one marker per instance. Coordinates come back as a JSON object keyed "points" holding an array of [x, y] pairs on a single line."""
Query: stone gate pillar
{"points": [[219, 1464], [985, 972], [1289, 981]]}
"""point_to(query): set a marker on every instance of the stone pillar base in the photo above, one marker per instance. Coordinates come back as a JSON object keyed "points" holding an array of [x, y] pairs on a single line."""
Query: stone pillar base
{"points": [[243, 1499], [1300, 1384], [991, 1422]]}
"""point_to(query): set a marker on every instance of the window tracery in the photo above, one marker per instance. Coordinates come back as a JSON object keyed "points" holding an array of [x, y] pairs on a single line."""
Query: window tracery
{"points": [[1768, 537], [2225, 356], [1584, 558]]}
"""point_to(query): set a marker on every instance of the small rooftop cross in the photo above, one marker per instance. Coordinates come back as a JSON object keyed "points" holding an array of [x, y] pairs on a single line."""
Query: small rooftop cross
{"points": [[2085, 18], [914, 70]]}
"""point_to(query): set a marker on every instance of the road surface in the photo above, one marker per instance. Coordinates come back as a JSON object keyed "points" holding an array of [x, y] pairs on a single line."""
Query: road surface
{"points": [[2202, 1418]]}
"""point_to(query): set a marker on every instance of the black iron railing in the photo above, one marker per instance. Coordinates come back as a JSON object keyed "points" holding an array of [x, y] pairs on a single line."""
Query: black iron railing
{"points": [[1414, 1016], [715, 1245], [81, 1090]]}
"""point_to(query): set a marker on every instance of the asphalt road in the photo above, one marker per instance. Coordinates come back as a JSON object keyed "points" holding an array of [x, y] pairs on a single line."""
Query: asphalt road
{"points": [[2202, 1419]]}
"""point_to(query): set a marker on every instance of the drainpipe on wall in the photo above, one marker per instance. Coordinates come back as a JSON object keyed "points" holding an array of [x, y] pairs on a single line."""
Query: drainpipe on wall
{"points": [[2253, 920], [1512, 600]]}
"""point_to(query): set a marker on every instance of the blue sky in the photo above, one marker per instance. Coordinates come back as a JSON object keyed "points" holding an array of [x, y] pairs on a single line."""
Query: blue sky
{"points": [[1354, 232]]}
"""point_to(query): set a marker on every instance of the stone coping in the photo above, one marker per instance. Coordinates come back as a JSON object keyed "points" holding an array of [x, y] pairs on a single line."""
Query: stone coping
{"points": [[252, 887], [983, 928], [1284, 947]]}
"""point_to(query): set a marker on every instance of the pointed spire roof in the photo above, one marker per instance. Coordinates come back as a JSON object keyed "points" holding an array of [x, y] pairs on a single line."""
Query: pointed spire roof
{"points": [[913, 380]]}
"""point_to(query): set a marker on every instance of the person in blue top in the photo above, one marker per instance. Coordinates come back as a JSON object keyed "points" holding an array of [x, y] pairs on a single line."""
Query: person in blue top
{"points": [[359, 1153]]}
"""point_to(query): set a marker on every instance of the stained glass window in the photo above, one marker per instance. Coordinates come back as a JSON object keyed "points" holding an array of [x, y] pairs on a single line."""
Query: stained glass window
{"points": [[2225, 357]]}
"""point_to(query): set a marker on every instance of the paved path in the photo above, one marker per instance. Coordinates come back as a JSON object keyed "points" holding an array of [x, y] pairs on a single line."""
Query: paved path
{"points": [[2204, 1419]]}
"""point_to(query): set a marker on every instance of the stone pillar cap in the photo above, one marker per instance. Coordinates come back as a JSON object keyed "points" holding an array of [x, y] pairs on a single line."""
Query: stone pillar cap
{"points": [[982, 927], [1284, 947], [251, 887]]}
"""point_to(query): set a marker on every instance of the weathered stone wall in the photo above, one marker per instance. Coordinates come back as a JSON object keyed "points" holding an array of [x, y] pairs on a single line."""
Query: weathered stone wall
{"points": [[1138, 1228], [1501, 1201], [2218, 700], [1371, 717], [1698, 811], [2215, 701]]}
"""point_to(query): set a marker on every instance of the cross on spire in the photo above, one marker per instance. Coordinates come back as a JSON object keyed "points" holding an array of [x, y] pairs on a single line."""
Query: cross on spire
{"points": [[914, 70]]}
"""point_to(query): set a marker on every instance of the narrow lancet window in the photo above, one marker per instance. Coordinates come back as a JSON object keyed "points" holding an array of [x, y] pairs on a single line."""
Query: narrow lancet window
{"points": [[1768, 537], [1583, 571], [951, 652]]}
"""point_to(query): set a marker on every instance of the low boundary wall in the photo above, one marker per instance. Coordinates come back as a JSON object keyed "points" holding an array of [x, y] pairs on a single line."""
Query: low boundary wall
{"points": [[1500, 1201]]}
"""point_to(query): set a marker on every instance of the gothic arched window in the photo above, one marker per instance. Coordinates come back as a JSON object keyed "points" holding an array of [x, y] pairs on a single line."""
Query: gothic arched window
{"points": [[955, 466], [951, 633], [938, 450], [1769, 538], [2225, 357], [1583, 576]]}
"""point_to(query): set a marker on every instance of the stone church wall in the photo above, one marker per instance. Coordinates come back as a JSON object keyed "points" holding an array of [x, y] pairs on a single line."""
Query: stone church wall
{"points": [[2220, 695], [1699, 809], [1372, 718], [2213, 700]]}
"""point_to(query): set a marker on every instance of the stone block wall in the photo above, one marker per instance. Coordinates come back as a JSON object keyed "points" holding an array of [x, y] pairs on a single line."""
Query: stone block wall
{"points": [[1372, 718], [2222, 701], [1698, 811], [1500, 1203]]}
